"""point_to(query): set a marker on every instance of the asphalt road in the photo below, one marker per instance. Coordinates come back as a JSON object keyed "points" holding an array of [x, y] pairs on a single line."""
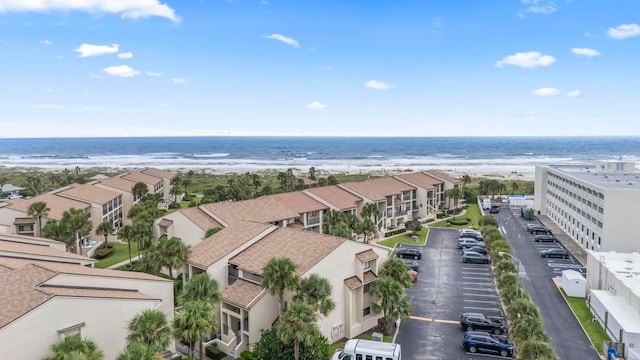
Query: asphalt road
{"points": [[566, 335], [445, 289]]}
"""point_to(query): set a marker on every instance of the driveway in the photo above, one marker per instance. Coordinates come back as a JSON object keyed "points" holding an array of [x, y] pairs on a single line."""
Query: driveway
{"points": [[566, 335]]}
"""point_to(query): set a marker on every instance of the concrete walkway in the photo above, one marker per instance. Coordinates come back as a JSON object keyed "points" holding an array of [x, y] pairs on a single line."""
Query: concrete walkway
{"points": [[121, 263]]}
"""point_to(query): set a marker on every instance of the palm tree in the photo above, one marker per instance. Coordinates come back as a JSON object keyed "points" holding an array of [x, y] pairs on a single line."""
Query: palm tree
{"points": [[139, 190], [343, 231], [466, 179], [175, 191], [277, 276], [514, 187], [141, 232], [201, 288], [126, 234], [368, 229], [37, 211], [150, 327], [370, 211], [396, 269], [105, 229], [173, 253], [140, 351], [54, 230], [298, 325], [331, 219], [388, 293], [316, 291], [194, 323], [34, 184], [78, 224], [76, 347]]}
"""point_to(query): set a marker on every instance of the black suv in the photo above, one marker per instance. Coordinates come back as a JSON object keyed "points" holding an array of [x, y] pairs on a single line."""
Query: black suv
{"points": [[477, 321], [494, 209], [544, 238], [410, 253], [538, 230]]}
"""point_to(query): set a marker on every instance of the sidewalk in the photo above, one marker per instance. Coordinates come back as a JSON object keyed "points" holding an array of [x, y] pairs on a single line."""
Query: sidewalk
{"points": [[121, 263]]}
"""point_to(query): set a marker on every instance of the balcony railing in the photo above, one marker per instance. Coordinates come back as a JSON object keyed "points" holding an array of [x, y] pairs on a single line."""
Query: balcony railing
{"points": [[313, 221], [401, 213]]}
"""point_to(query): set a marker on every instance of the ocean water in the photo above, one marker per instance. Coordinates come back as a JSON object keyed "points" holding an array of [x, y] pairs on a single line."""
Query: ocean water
{"points": [[350, 154]]}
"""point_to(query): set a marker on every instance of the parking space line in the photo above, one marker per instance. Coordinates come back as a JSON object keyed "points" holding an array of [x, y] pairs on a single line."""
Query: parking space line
{"points": [[479, 289], [476, 282], [486, 295], [435, 320], [485, 278], [480, 301], [483, 308]]}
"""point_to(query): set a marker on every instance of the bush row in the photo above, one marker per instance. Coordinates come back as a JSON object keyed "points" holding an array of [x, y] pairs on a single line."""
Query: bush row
{"points": [[104, 252], [395, 232], [526, 330]]}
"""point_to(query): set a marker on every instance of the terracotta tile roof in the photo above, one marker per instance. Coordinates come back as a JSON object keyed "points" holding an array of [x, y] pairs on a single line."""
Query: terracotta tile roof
{"points": [[93, 292], [367, 255], [117, 182], [440, 175], [225, 241], [28, 239], [420, 179], [304, 248], [353, 282], [57, 204], [336, 196], [22, 250], [163, 174], [369, 276], [263, 210], [243, 293], [165, 222], [23, 221], [378, 189], [140, 177], [203, 220], [298, 202], [89, 193], [18, 293]]}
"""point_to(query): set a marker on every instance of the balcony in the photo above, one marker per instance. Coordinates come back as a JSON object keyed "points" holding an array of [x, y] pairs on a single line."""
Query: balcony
{"points": [[401, 213], [313, 220]]}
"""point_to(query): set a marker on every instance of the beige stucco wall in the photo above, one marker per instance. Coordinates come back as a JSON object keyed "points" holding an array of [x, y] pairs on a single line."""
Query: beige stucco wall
{"points": [[127, 201], [105, 323], [7, 217], [182, 227]]}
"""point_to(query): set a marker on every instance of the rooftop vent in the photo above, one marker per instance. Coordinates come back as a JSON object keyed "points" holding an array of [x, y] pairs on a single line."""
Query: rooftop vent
{"points": [[617, 180], [606, 176], [630, 183]]}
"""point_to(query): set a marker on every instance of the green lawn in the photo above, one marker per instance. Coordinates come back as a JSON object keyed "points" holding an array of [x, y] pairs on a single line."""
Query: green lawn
{"points": [[365, 336], [406, 239], [121, 254], [473, 213], [595, 332]]}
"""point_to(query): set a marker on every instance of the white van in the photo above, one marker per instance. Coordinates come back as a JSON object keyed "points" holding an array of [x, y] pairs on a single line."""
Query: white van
{"points": [[357, 349]]}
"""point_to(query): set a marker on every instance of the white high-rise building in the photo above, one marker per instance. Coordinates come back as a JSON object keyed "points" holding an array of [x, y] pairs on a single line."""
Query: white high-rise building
{"points": [[594, 205]]}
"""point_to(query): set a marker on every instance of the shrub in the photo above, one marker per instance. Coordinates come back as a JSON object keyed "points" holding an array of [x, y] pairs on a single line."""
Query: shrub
{"points": [[247, 355], [528, 328], [536, 350], [503, 265], [395, 232], [488, 220], [429, 220], [174, 205], [506, 279], [214, 353], [104, 253], [523, 306], [440, 215], [458, 221]]}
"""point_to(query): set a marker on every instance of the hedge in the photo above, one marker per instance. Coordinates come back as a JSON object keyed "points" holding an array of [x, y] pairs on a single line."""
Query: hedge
{"points": [[395, 232], [214, 353], [104, 253]]}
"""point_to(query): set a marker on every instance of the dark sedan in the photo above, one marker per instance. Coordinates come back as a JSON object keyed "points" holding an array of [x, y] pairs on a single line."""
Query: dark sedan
{"points": [[544, 238], [554, 253], [487, 344], [473, 321], [476, 248], [410, 253], [474, 257]]}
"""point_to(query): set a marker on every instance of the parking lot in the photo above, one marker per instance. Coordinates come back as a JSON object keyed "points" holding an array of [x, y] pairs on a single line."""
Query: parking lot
{"points": [[445, 289]]}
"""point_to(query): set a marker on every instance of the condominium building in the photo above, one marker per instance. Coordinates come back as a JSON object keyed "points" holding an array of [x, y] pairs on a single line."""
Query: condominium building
{"points": [[594, 205]]}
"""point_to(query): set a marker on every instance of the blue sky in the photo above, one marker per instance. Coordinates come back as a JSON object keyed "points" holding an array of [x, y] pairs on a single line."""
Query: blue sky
{"points": [[251, 67]]}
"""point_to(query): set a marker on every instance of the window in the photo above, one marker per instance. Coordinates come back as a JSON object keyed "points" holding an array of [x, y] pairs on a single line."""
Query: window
{"points": [[366, 311], [366, 265], [368, 357], [366, 288], [358, 357]]}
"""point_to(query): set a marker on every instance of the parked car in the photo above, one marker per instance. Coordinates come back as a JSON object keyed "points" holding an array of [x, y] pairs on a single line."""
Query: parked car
{"points": [[544, 238], [414, 265], [555, 253], [469, 231], [467, 243], [474, 257], [472, 235], [413, 274], [501, 338], [476, 248], [494, 209], [539, 230], [487, 344], [411, 253], [477, 321]]}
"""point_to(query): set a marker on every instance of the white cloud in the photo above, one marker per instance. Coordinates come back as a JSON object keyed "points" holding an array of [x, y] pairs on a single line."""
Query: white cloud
{"points": [[531, 59], [153, 74], [284, 39], [178, 81], [86, 50], [548, 91], [585, 52], [46, 42], [127, 55], [132, 9], [317, 106], [538, 7], [121, 71], [624, 31], [377, 85], [574, 93]]}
